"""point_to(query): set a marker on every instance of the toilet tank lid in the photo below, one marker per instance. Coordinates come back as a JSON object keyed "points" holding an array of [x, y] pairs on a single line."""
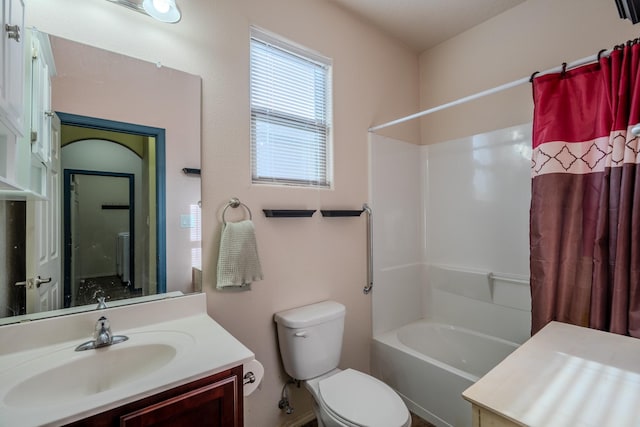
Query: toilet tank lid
{"points": [[309, 315]]}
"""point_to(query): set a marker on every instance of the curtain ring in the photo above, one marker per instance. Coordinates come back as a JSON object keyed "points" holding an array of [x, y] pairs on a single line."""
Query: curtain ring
{"points": [[600, 53], [564, 69], [533, 75]]}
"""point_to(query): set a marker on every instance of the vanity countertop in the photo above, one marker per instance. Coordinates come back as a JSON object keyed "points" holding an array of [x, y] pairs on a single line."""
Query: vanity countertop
{"points": [[565, 375], [204, 348]]}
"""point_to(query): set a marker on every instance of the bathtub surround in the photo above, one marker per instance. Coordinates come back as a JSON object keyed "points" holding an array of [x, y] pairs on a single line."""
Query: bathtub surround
{"points": [[430, 364], [450, 247], [446, 216], [498, 306], [398, 190]]}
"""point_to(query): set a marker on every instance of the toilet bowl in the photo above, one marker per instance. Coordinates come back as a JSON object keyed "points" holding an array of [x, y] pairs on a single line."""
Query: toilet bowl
{"points": [[310, 340], [351, 398]]}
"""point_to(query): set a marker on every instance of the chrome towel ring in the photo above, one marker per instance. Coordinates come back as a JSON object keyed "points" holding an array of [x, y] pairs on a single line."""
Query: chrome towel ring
{"points": [[234, 203]]}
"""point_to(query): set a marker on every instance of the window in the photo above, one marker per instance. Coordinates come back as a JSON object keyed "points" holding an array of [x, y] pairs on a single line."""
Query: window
{"points": [[290, 113]]}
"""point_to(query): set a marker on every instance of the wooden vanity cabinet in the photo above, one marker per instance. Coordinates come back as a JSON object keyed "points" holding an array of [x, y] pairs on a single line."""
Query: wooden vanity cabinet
{"points": [[485, 418], [214, 401]]}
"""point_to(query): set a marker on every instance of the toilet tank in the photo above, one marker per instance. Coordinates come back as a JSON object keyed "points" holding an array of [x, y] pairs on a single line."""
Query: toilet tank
{"points": [[310, 338]]}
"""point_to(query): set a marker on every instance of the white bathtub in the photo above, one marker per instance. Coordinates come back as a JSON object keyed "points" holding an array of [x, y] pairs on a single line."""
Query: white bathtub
{"points": [[430, 365]]}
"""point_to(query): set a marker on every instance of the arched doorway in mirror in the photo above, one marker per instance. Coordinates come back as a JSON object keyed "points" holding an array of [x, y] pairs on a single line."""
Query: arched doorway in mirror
{"points": [[114, 246]]}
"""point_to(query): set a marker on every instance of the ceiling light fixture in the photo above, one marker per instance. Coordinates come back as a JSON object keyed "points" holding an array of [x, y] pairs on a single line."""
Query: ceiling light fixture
{"points": [[162, 10]]}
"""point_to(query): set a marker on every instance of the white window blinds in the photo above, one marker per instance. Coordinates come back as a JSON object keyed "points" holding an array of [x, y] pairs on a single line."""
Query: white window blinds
{"points": [[290, 113]]}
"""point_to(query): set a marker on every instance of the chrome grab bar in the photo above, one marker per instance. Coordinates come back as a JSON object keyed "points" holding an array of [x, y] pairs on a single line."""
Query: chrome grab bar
{"points": [[507, 278], [369, 284]]}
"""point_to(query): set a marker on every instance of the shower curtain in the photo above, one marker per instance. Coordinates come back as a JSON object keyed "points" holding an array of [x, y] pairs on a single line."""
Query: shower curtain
{"points": [[585, 206]]}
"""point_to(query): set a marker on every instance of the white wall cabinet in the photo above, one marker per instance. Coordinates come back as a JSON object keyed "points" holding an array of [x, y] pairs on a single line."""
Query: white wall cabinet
{"points": [[43, 148], [30, 153], [11, 89]]}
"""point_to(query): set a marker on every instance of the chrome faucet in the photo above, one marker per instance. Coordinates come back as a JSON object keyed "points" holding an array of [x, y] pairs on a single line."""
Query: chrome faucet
{"points": [[103, 332], [102, 336], [101, 303]]}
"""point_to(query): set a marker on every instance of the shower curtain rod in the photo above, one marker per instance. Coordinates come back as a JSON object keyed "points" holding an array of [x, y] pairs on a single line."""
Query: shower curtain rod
{"points": [[496, 89]]}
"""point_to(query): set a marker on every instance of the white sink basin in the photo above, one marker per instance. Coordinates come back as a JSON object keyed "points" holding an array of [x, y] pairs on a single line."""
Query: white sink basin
{"points": [[65, 375], [44, 382]]}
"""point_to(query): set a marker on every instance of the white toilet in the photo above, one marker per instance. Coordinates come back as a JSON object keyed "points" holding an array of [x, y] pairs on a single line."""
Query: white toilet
{"points": [[310, 339]]}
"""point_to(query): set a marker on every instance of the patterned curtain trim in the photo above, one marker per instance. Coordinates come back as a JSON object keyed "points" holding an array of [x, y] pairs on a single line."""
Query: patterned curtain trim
{"points": [[586, 157]]}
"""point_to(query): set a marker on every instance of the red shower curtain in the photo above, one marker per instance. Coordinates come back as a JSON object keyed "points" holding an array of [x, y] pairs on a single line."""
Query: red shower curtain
{"points": [[585, 205]]}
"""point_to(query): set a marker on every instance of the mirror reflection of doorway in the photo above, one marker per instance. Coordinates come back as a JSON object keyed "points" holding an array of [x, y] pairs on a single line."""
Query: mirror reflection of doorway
{"points": [[126, 223], [101, 234]]}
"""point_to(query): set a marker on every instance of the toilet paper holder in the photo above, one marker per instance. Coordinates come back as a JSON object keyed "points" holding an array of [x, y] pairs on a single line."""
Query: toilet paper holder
{"points": [[253, 373], [249, 378]]}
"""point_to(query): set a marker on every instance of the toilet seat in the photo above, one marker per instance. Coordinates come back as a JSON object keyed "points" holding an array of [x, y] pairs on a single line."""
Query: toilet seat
{"points": [[357, 399]]}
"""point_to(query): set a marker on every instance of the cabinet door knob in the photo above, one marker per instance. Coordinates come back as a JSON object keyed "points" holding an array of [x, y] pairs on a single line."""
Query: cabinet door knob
{"points": [[13, 32]]}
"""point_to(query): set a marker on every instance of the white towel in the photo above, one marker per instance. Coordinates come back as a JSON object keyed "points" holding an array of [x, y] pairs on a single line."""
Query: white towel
{"points": [[238, 262]]}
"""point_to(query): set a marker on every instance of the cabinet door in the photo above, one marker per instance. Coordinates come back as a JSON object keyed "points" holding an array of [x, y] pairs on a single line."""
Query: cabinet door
{"points": [[40, 103], [486, 418], [211, 401], [11, 89], [4, 44], [210, 406]]}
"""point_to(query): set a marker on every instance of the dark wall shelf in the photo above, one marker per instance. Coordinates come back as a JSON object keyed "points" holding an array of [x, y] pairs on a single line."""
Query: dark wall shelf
{"points": [[115, 207], [191, 171], [288, 213], [336, 213]]}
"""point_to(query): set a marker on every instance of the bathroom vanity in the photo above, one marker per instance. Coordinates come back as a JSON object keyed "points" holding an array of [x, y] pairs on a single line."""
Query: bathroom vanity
{"points": [[564, 375], [214, 401], [177, 367]]}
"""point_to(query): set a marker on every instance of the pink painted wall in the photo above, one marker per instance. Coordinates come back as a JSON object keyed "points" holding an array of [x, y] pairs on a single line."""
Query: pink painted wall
{"points": [[375, 79], [534, 36]]}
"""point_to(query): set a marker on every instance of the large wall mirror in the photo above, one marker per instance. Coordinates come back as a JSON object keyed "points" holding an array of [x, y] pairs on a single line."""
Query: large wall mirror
{"points": [[129, 185]]}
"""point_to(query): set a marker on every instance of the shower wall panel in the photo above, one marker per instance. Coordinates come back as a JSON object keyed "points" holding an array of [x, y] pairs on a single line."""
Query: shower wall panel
{"points": [[478, 201], [462, 204], [397, 199]]}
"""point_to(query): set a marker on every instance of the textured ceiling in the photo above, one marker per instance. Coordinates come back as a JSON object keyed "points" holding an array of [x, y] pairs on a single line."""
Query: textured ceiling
{"points": [[422, 24]]}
